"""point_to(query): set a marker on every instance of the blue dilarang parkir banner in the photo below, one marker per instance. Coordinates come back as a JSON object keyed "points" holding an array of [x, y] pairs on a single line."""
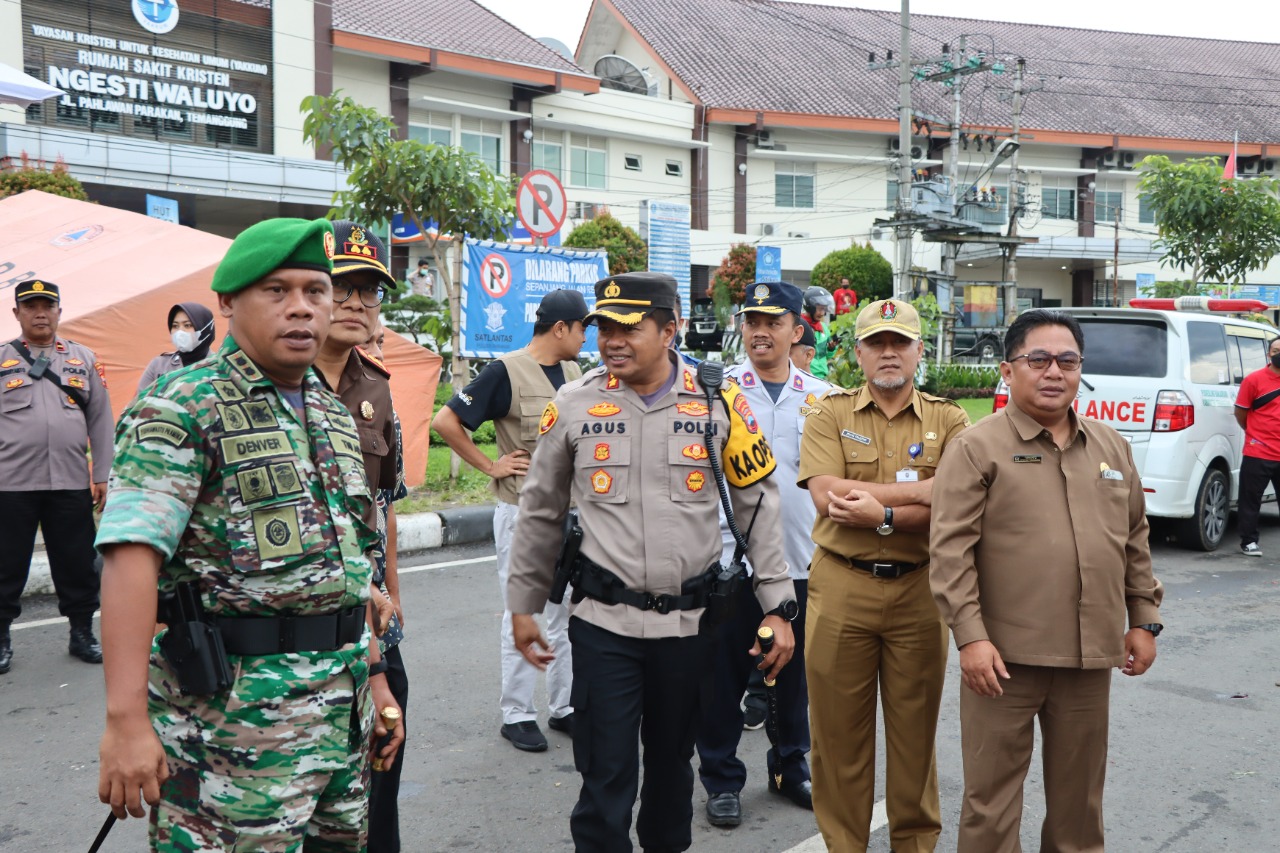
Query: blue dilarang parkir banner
{"points": [[502, 285]]}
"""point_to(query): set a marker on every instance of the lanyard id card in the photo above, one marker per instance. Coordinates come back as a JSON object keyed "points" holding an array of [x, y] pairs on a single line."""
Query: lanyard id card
{"points": [[909, 474]]}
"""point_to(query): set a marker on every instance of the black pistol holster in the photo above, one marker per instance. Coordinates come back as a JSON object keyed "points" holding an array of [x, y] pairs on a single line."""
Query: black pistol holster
{"points": [[722, 595], [193, 646], [567, 569]]}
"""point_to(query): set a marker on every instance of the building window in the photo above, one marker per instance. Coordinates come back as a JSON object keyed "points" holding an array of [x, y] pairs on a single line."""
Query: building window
{"points": [[1108, 207], [548, 156], [1057, 203], [675, 169], [1146, 213], [632, 162], [487, 148], [431, 135], [588, 162], [793, 185]]}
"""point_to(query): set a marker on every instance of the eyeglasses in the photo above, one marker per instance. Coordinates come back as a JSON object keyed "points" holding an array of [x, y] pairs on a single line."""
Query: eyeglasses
{"points": [[371, 296], [1039, 360]]}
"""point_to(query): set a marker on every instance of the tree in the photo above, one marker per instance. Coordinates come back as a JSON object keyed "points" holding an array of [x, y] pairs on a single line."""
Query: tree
{"points": [[28, 174], [627, 252], [867, 270], [729, 284], [445, 187], [1218, 230]]}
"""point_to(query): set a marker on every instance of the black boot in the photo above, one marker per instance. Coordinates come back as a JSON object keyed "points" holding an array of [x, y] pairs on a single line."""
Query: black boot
{"points": [[6, 648], [83, 644]]}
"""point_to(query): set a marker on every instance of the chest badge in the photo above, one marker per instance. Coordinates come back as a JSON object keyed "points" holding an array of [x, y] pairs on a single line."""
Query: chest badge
{"points": [[9, 362], [810, 399], [692, 409], [694, 451], [366, 410], [930, 436], [601, 482], [695, 481], [15, 383], [549, 417], [77, 362], [603, 410], [602, 452]]}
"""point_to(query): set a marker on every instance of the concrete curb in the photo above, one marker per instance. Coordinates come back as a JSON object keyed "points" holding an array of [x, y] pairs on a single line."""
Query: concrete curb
{"points": [[416, 533]]}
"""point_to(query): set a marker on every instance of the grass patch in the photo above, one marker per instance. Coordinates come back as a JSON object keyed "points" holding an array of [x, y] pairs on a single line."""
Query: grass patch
{"points": [[977, 407], [439, 492]]}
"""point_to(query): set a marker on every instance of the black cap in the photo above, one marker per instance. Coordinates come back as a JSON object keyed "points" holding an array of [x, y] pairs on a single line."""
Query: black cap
{"points": [[772, 297], [807, 338], [357, 248], [563, 304], [36, 289], [628, 298]]}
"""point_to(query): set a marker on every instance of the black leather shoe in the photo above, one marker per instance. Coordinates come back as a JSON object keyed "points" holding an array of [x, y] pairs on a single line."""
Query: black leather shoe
{"points": [[83, 644], [800, 793], [724, 809], [562, 724], [6, 650], [525, 736]]}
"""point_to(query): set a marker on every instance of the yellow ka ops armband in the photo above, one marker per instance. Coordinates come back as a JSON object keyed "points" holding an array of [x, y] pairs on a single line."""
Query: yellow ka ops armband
{"points": [[746, 456]]}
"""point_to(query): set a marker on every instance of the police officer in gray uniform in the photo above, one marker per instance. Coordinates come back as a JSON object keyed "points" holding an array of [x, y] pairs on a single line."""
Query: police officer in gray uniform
{"points": [[629, 443], [53, 408]]}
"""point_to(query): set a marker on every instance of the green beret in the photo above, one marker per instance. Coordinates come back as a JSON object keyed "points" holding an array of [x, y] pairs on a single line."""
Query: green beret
{"points": [[271, 245]]}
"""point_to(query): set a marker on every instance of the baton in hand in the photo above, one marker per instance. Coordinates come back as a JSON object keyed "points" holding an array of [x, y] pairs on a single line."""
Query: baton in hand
{"points": [[102, 833], [765, 638]]}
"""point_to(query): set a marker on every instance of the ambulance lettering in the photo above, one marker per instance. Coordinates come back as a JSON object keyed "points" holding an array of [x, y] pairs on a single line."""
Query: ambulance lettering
{"points": [[1112, 410]]}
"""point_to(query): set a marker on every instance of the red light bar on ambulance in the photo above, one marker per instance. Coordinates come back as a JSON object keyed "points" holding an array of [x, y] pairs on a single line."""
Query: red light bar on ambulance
{"points": [[1203, 304]]}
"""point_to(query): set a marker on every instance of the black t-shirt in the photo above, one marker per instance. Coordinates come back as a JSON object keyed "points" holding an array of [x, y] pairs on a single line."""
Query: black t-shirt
{"points": [[488, 397]]}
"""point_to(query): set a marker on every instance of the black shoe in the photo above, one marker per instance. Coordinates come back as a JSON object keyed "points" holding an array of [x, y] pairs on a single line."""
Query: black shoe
{"points": [[526, 736], [6, 650], [724, 809], [83, 644], [753, 718], [562, 724], [800, 793]]}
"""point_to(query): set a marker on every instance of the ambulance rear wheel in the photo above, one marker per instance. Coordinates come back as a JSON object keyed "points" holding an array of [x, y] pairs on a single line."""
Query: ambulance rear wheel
{"points": [[1205, 530]]}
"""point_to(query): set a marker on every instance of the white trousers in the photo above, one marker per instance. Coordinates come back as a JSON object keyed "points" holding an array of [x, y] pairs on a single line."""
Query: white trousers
{"points": [[519, 677]]}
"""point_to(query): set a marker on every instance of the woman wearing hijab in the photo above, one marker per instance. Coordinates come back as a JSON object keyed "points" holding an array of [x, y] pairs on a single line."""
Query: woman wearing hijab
{"points": [[191, 330]]}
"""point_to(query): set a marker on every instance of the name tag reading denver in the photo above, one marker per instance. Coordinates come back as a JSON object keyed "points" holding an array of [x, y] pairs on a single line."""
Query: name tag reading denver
{"points": [[255, 445]]}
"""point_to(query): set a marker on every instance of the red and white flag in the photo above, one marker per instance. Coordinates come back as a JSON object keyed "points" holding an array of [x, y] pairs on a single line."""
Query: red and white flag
{"points": [[1229, 170]]}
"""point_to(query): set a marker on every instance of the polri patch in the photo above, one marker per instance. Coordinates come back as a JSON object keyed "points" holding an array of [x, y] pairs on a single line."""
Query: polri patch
{"points": [[695, 481], [549, 417], [694, 451], [602, 452], [601, 482], [853, 436]]}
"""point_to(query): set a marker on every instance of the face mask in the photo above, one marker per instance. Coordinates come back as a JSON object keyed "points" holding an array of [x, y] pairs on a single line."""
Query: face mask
{"points": [[1275, 361], [183, 340]]}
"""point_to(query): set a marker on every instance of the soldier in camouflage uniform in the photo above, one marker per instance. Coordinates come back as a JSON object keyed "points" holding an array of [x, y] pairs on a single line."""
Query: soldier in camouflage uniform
{"points": [[244, 476]]}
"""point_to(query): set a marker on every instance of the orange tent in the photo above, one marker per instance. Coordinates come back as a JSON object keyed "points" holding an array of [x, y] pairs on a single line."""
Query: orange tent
{"points": [[120, 272]]}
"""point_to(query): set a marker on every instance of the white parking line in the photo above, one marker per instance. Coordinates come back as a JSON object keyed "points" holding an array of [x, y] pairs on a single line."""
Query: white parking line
{"points": [[879, 818]]}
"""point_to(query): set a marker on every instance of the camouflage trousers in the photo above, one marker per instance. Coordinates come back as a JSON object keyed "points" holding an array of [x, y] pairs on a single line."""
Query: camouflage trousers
{"points": [[320, 812]]}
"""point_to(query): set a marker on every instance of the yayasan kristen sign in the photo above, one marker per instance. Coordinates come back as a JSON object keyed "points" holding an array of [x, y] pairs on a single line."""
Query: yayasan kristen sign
{"points": [[113, 70]]}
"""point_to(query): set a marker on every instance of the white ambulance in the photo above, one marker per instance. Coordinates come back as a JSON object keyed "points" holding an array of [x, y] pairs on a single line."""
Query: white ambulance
{"points": [[1167, 381]]}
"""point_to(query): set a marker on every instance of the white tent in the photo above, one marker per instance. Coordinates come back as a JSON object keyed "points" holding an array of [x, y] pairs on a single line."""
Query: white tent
{"points": [[23, 89]]}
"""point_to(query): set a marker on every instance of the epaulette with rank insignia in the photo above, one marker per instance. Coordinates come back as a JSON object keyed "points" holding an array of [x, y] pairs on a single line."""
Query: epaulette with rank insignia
{"points": [[373, 362]]}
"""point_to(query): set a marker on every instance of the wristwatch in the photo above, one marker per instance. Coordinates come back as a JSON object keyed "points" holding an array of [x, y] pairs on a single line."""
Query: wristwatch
{"points": [[378, 668], [886, 528], [788, 610], [1155, 628]]}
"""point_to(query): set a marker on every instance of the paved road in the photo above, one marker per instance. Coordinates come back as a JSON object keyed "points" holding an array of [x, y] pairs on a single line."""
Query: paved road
{"points": [[1193, 768]]}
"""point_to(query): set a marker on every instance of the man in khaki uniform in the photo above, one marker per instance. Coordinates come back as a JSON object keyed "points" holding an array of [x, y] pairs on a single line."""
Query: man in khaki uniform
{"points": [[1040, 550], [868, 457], [512, 391], [629, 444]]}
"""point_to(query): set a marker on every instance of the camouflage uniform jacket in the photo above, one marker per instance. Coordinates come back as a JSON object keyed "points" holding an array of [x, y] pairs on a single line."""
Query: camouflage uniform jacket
{"points": [[215, 471]]}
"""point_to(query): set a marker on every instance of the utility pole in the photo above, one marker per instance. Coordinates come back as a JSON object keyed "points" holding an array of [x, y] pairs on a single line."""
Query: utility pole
{"points": [[951, 250], [1115, 262], [1015, 200], [902, 233]]}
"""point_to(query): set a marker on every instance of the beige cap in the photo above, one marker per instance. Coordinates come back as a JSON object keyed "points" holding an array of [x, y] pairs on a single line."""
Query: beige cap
{"points": [[888, 315]]}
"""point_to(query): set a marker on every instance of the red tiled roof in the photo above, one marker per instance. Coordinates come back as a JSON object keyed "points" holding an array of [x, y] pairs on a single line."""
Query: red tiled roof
{"points": [[768, 56], [458, 26]]}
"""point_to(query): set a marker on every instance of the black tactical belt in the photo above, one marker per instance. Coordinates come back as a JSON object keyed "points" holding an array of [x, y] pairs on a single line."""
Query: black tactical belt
{"points": [[889, 570], [604, 586], [279, 635]]}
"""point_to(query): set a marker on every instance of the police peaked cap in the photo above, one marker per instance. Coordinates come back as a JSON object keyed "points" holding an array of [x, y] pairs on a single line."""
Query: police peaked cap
{"points": [[773, 297], [274, 244], [357, 248], [628, 298]]}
